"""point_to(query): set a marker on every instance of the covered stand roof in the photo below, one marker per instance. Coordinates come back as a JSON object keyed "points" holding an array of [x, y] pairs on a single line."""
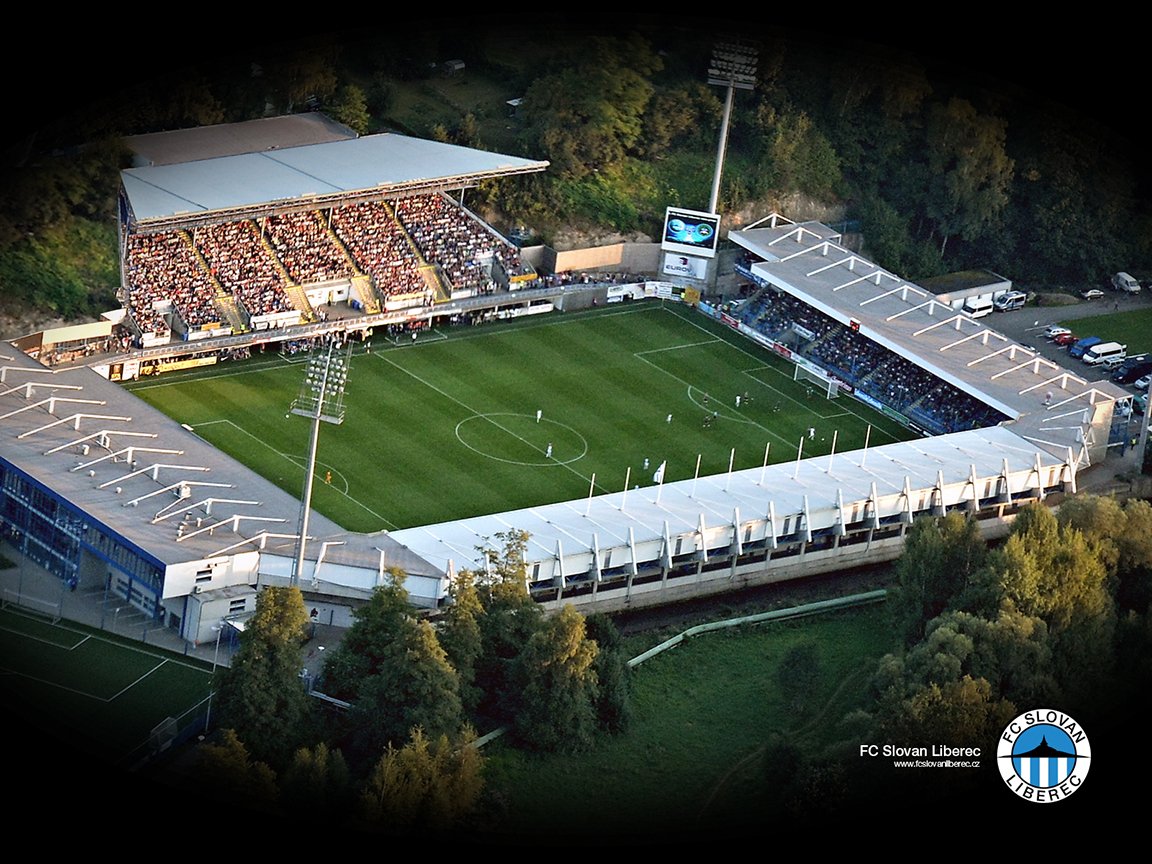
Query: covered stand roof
{"points": [[150, 480], [280, 178], [229, 139], [819, 485]]}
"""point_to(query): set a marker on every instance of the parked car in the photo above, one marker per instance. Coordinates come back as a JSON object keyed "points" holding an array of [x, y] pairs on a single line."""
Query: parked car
{"points": [[1064, 339], [1126, 283], [1010, 300], [1135, 366], [1142, 383], [1092, 294], [1112, 363], [1098, 354], [1077, 348], [1054, 330], [1140, 403], [977, 307]]}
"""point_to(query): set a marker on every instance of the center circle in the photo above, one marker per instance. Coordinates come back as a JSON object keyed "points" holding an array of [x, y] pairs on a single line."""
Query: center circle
{"points": [[521, 439]]}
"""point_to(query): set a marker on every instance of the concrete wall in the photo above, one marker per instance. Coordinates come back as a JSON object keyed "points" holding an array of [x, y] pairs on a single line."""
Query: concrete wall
{"points": [[626, 257]]}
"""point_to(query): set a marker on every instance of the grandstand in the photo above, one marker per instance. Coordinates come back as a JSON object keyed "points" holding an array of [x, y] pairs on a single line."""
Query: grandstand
{"points": [[350, 235], [908, 350], [258, 241]]}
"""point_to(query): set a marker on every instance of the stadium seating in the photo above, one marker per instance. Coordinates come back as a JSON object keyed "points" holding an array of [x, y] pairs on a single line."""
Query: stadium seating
{"points": [[894, 381], [260, 263]]}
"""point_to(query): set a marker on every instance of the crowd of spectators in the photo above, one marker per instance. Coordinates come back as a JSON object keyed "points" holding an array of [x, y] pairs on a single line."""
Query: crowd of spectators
{"points": [[585, 277], [256, 262], [306, 247], [241, 265], [380, 248], [164, 269], [448, 236], [865, 365]]}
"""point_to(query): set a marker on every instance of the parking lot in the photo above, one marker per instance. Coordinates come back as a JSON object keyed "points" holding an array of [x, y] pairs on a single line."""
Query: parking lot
{"points": [[1027, 325]]}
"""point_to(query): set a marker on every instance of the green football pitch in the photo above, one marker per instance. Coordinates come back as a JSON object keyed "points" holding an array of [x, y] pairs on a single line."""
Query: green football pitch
{"points": [[102, 696], [447, 427]]}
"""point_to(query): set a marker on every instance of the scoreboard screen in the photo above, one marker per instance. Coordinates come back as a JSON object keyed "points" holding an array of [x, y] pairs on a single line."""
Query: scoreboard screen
{"points": [[691, 232]]}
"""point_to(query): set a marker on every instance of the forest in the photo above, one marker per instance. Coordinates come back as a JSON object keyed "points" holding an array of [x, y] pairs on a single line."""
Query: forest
{"points": [[943, 152]]}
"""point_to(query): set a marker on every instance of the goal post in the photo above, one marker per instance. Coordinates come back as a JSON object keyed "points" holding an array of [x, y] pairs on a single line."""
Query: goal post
{"points": [[816, 380]]}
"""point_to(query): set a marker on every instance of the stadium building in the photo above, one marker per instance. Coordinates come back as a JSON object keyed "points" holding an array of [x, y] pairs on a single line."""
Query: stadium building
{"points": [[271, 245]]}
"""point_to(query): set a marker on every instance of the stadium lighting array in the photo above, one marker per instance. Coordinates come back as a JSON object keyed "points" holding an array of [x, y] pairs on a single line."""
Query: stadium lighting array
{"points": [[321, 399], [733, 66]]}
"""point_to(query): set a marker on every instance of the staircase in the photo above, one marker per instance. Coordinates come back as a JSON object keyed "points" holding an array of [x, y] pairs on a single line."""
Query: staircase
{"points": [[298, 297], [230, 312], [435, 282], [364, 289], [227, 308], [339, 244]]}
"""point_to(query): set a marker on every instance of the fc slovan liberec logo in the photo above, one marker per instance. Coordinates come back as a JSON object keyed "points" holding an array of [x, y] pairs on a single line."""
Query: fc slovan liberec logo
{"points": [[1044, 755]]}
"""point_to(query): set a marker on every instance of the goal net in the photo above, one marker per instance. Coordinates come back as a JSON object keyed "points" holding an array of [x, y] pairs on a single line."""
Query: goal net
{"points": [[816, 381]]}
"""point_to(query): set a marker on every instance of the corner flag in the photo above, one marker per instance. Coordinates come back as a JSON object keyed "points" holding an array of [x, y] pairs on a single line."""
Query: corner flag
{"points": [[658, 477]]}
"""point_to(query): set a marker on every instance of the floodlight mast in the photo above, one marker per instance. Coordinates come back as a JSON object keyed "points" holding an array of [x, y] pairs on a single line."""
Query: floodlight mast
{"points": [[321, 398], [733, 66]]}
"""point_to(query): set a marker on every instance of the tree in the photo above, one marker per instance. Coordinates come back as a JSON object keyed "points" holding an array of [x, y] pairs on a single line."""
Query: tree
{"points": [[940, 557], [678, 115], [613, 674], [261, 696], [461, 635], [963, 713], [1011, 652], [225, 770], [890, 242], [296, 72], [510, 619], [556, 673], [317, 785], [467, 132], [350, 107], [414, 685], [1134, 568], [1053, 572], [970, 172], [426, 784], [367, 641], [801, 158], [1073, 196], [1122, 536], [504, 582], [586, 113]]}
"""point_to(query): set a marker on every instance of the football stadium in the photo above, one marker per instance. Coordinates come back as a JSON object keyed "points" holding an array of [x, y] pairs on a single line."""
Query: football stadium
{"points": [[326, 367]]}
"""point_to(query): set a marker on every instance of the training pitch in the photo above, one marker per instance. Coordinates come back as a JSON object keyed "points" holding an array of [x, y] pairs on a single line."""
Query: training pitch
{"points": [[447, 426]]}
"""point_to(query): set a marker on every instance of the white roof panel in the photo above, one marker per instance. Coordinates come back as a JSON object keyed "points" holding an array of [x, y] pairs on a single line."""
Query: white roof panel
{"points": [[331, 169], [640, 514]]}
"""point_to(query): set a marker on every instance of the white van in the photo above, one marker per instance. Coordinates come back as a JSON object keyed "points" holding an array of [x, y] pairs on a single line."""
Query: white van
{"points": [[1097, 354], [1124, 282], [977, 307], [1010, 300]]}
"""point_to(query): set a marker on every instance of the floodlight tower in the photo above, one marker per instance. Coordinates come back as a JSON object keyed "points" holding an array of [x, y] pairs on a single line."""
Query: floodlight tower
{"points": [[321, 398], [733, 66]]}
